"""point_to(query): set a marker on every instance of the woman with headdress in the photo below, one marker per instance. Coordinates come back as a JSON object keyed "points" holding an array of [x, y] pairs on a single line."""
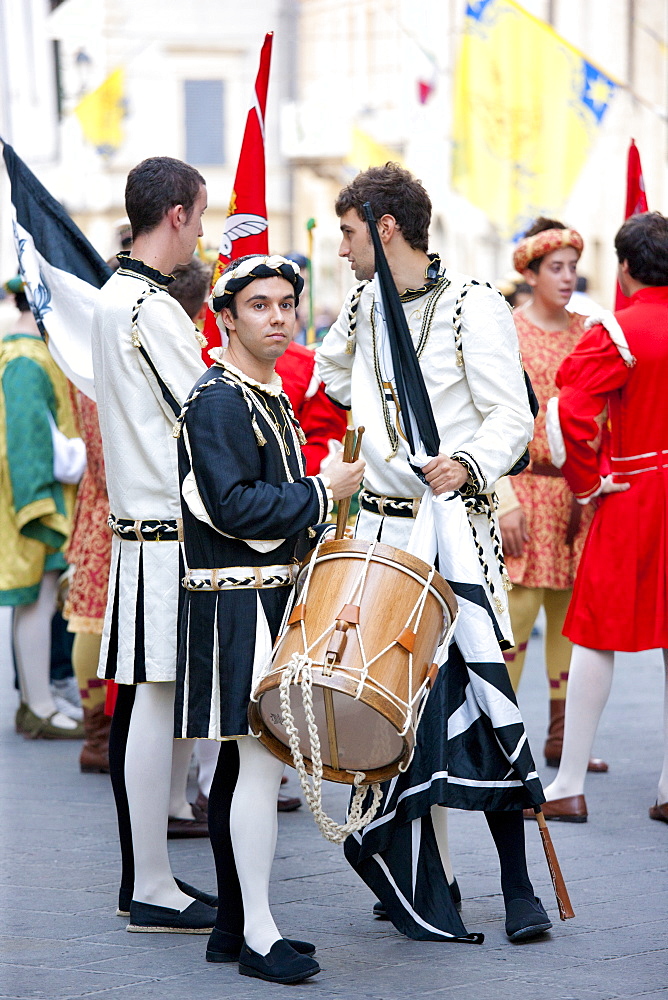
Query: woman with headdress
{"points": [[542, 526]]}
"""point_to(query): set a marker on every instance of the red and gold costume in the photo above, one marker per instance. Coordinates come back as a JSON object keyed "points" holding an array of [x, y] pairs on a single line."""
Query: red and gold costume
{"points": [[90, 545], [542, 492], [556, 526], [620, 598]]}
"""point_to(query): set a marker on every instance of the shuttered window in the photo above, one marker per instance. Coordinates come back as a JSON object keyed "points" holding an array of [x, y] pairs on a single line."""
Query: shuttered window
{"points": [[205, 139]]}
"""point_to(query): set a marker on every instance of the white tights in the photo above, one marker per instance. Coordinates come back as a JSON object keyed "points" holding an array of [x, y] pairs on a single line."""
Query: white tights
{"points": [[179, 807], [32, 645], [148, 770], [254, 828], [589, 683], [439, 817]]}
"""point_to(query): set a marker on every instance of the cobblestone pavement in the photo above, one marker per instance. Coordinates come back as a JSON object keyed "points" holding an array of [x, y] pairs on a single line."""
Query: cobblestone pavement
{"points": [[59, 872]]}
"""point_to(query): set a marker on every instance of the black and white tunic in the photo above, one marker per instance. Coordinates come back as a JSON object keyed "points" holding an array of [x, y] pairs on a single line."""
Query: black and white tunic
{"points": [[247, 506]]}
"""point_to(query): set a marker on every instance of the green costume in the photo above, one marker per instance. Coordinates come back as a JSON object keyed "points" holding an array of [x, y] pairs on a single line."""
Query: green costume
{"points": [[35, 509]]}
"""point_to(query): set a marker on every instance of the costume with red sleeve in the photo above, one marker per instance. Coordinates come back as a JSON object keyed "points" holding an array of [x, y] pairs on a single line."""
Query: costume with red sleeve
{"points": [[620, 598], [319, 418]]}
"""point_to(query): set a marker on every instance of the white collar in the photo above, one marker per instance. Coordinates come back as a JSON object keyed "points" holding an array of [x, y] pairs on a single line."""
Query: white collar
{"points": [[273, 388]]}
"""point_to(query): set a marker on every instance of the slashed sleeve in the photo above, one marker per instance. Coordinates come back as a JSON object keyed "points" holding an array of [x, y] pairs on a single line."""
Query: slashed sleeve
{"points": [[585, 380], [227, 467], [496, 382], [171, 356], [335, 356]]}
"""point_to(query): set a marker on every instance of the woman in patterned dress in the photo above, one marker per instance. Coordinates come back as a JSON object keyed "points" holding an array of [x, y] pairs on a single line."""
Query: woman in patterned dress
{"points": [[543, 528]]}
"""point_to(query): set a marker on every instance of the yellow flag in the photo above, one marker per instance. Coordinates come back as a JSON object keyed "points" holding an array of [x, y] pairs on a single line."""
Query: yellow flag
{"points": [[101, 114], [527, 107], [365, 152]]}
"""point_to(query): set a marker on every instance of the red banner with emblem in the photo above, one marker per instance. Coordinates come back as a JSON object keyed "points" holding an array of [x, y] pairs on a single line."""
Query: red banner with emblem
{"points": [[636, 202], [246, 226]]}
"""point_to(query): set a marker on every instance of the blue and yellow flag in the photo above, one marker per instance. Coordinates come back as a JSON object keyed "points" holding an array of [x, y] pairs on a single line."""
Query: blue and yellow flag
{"points": [[101, 114], [527, 108]]}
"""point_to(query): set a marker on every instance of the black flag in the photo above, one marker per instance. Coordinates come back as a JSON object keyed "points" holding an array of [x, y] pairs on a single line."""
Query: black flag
{"points": [[411, 389]]}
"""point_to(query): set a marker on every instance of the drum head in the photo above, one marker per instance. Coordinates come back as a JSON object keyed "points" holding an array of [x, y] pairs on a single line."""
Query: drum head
{"points": [[357, 739]]}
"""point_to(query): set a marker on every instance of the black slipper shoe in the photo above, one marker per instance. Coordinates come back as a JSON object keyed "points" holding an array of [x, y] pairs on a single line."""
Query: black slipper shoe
{"points": [[204, 897], [281, 965], [225, 947], [526, 919], [198, 918], [125, 897]]}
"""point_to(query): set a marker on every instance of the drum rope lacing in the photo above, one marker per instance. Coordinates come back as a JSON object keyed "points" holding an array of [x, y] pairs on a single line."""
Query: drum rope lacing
{"points": [[330, 829], [299, 671]]}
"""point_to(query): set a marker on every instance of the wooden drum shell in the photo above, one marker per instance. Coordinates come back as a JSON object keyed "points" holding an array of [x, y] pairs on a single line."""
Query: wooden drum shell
{"points": [[370, 734]]}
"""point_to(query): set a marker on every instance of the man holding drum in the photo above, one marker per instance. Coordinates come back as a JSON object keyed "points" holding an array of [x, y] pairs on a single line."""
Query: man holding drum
{"points": [[468, 354], [247, 507]]}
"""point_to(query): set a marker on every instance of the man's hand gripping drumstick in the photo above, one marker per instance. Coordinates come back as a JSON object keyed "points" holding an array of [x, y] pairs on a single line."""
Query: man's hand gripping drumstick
{"points": [[348, 469]]}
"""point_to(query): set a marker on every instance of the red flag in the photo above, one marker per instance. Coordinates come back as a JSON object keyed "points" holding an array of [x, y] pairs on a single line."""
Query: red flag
{"points": [[246, 226], [636, 202]]}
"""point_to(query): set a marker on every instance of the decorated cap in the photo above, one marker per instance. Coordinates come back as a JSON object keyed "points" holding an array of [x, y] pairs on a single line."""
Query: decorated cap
{"points": [[534, 247], [250, 269]]}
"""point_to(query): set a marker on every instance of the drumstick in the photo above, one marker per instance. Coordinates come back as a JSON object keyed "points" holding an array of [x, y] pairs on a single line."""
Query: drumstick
{"points": [[560, 891], [348, 456]]}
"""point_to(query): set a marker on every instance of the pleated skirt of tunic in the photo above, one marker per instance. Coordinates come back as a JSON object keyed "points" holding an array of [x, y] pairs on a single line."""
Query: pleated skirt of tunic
{"points": [[140, 635], [225, 643]]}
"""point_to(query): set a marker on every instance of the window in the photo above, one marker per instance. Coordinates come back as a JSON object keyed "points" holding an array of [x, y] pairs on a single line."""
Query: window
{"points": [[204, 122]]}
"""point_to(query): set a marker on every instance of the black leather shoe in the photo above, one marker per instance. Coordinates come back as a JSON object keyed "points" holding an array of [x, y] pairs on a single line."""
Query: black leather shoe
{"points": [[198, 918], [281, 965], [225, 947], [526, 919], [380, 911]]}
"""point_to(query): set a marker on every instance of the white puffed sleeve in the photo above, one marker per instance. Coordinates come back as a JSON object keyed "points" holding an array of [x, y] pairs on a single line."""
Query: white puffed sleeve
{"points": [[496, 382]]}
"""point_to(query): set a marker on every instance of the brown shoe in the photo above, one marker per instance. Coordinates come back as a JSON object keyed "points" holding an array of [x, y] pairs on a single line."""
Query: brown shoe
{"points": [[201, 803], [94, 757], [572, 809], [288, 803], [555, 739], [659, 812], [195, 827]]}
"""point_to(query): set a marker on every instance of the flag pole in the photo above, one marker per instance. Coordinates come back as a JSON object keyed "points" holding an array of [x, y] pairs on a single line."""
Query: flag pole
{"points": [[310, 333]]}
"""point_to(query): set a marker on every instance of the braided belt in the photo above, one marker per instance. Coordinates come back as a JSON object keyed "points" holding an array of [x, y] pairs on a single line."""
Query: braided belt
{"points": [[388, 506], [147, 530], [241, 577]]}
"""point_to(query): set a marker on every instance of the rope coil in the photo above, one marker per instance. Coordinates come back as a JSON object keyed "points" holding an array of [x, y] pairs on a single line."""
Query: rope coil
{"points": [[330, 829]]}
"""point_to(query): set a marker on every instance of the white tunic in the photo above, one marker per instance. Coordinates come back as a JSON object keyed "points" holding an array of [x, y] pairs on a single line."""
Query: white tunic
{"points": [[480, 406], [140, 460]]}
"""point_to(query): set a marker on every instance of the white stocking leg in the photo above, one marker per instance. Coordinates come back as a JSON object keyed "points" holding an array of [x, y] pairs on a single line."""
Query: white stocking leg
{"points": [[179, 807], [663, 780], [589, 683], [206, 755], [439, 817], [148, 771], [254, 827], [32, 644]]}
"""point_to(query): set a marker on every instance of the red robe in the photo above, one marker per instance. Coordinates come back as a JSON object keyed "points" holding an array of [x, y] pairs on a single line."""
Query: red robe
{"points": [[620, 598], [320, 419]]}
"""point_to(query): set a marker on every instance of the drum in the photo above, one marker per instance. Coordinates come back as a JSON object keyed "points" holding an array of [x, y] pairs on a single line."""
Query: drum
{"points": [[367, 622]]}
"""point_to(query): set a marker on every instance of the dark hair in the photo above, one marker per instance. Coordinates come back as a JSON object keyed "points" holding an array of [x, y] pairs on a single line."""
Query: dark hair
{"points": [[391, 190], [21, 302], [521, 288], [539, 226], [156, 185], [643, 242], [191, 285]]}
